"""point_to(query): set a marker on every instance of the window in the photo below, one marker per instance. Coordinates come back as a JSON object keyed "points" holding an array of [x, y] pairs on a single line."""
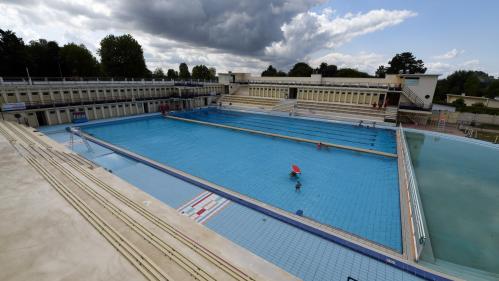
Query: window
{"points": [[427, 96], [23, 94], [412, 81], [62, 110]]}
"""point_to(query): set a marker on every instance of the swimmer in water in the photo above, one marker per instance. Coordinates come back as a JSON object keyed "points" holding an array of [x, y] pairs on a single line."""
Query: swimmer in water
{"points": [[298, 186]]}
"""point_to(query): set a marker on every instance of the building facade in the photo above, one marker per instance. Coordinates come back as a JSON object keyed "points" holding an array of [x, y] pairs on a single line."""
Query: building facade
{"points": [[409, 91], [56, 102]]}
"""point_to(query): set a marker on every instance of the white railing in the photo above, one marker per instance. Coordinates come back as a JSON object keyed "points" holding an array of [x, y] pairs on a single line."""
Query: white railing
{"points": [[420, 235], [412, 96], [95, 80], [284, 105], [375, 85]]}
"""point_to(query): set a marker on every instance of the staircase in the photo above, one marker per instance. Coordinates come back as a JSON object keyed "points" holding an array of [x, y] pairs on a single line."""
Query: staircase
{"points": [[415, 100], [391, 113], [286, 105]]}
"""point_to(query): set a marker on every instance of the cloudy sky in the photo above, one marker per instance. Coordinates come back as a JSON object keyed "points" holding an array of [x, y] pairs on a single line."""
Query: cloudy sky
{"points": [[248, 35]]}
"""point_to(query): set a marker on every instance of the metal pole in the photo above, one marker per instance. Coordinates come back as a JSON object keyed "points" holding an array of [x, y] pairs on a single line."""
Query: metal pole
{"points": [[29, 77]]}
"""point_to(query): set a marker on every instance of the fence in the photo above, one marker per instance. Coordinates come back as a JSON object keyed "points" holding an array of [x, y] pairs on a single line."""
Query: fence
{"points": [[416, 211]]}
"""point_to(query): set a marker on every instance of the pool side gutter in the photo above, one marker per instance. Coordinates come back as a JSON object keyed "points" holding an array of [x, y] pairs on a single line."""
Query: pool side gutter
{"points": [[381, 254]]}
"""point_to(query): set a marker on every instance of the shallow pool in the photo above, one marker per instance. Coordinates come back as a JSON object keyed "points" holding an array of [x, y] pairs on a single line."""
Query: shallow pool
{"points": [[353, 191], [459, 187]]}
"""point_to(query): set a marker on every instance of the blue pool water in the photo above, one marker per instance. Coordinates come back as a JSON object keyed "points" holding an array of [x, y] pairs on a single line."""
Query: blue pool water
{"points": [[352, 191], [459, 186], [344, 134]]}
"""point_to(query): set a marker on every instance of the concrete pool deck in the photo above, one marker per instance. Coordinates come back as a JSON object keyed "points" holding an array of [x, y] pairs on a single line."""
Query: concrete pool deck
{"points": [[167, 244]]}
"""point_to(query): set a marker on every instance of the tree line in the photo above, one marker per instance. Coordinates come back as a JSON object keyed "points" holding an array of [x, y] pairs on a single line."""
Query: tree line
{"points": [[401, 63], [471, 83], [120, 56]]}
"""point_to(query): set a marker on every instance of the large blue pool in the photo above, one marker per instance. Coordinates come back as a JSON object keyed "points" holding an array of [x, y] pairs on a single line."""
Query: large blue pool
{"points": [[352, 191]]}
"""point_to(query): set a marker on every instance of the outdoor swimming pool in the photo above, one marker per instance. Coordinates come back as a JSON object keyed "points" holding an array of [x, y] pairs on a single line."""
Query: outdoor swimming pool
{"points": [[337, 133], [352, 191], [458, 184]]}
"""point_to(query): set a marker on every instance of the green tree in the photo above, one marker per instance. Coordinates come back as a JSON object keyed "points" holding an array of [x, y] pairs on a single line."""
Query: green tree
{"points": [[327, 70], [122, 56], [269, 72], [380, 72], [44, 59], [77, 60], [172, 74], [281, 73], [493, 89], [158, 73], [183, 71], [459, 103], [351, 72], [405, 63], [201, 72], [472, 85], [301, 69], [13, 56], [213, 73], [272, 72]]}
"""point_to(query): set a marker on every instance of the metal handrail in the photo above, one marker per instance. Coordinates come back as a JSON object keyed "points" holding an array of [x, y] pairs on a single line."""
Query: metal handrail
{"points": [[388, 86], [412, 96], [96, 80], [417, 214]]}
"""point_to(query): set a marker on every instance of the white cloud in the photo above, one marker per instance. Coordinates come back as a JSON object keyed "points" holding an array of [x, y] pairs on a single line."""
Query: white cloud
{"points": [[367, 62], [448, 68], [449, 55], [310, 32], [301, 34]]}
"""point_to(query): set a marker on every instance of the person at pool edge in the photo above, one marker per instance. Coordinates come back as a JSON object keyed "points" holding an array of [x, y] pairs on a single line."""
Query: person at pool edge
{"points": [[298, 186]]}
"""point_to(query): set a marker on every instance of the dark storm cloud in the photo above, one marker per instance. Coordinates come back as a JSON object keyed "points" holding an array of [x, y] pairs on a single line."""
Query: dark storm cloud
{"points": [[244, 26]]}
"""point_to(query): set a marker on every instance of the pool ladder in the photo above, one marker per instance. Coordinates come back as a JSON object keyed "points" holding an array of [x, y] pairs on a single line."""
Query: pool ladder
{"points": [[77, 131]]}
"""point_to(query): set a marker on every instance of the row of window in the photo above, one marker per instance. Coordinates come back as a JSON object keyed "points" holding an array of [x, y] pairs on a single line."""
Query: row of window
{"points": [[102, 91], [262, 89], [96, 108]]}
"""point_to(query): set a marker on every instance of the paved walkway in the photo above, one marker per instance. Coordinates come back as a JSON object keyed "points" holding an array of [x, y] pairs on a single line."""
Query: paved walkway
{"points": [[144, 237]]}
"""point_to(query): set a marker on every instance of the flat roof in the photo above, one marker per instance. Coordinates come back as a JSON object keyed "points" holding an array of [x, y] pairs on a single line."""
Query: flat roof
{"points": [[418, 74]]}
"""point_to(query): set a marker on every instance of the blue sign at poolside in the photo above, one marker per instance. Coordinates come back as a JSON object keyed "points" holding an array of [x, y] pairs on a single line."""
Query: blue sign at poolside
{"points": [[14, 106]]}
